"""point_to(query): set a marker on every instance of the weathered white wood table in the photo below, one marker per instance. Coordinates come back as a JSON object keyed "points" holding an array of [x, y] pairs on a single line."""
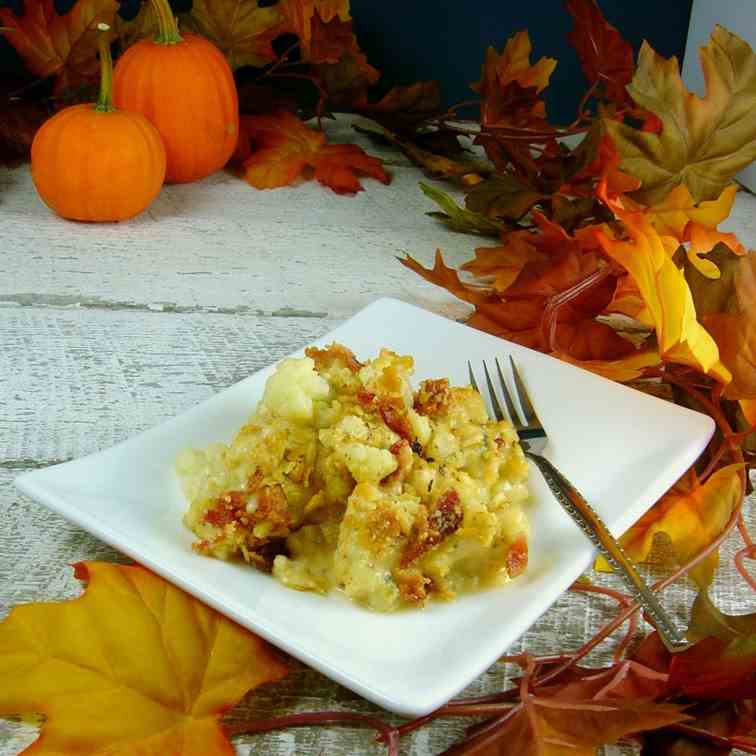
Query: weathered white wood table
{"points": [[106, 330]]}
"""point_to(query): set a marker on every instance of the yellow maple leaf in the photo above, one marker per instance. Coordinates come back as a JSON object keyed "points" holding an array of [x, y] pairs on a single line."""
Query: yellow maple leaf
{"points": [[703, 142], [241, 29], [666, 294], [691, 515], [133, 666], [678, 215], [64, 46]]}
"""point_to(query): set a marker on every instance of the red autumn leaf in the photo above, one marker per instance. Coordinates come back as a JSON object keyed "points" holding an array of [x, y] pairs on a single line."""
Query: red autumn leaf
{"points": [[723, 664], [715, 669], [605, 57], [346, 82], [612, 182], [331, 40], [283, 149], [628, 679], [548, 727]]}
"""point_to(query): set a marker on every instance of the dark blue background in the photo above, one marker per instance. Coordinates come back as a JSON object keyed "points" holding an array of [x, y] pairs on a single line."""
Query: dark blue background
{"points": [[412, 40]]}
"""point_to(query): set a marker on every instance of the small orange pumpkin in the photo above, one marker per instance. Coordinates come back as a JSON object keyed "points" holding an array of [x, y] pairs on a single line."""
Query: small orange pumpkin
{"points": [[95, 163], [185, 87]]}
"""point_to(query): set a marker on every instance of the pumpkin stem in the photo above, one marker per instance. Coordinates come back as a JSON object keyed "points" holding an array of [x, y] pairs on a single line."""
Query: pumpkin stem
{"points": [[168, 33], [105, 98]]}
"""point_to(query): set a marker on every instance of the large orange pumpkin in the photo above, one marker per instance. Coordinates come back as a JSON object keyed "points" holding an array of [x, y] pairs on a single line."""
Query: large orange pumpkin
{"points": [[95, 163], [184, 86]]}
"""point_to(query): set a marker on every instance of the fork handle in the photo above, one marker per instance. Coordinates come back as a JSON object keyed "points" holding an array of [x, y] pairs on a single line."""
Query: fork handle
{"points": [[593, 526]]}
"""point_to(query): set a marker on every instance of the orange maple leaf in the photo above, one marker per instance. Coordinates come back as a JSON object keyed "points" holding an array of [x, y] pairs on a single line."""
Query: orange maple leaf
{"points": [[605, 57], [521, 278], [284, 148], [61, 46], [691, 515], [300, 16], [622, 370], [509, 84], [134, 665]]}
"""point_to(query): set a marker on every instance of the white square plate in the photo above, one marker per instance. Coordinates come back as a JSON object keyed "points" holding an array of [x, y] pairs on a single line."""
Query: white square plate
{"points": [[622, 449]]}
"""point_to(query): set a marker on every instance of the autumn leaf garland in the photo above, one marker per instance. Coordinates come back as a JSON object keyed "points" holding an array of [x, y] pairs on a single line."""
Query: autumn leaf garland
{"points": [[609, 253]]}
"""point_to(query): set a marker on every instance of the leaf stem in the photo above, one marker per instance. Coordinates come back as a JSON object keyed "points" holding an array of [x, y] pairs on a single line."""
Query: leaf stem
{"points": [[748, 552], [388, 734], [105, 97]]}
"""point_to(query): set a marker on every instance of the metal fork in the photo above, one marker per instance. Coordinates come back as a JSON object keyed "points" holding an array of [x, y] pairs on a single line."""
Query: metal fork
{"points": [[533, 439]]}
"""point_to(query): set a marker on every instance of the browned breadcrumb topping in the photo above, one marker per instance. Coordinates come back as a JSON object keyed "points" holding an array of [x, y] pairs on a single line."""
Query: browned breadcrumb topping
{"points": [[433, 397], [323, 358], [440, 523], [413, 585]]}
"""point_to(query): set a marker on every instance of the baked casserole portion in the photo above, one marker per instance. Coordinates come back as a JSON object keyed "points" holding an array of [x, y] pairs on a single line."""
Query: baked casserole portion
{"points": [[344, 478]]}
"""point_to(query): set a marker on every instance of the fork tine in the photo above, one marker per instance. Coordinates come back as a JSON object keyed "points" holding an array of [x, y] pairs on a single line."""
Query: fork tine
{"points": [[514, 415], [498, 411], [473, 382], [531, 418]]}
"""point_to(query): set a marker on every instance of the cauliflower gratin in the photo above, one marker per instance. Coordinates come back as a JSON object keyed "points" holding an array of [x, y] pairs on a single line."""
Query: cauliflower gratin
{"points": [[346, 479]]}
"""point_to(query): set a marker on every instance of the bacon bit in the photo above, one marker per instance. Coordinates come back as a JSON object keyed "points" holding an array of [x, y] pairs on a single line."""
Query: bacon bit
{"points": [[324, 358], [433, 397], [517, 557], [447, 516], [444, 520], [229, 508], [397, 447], [394, 415], [366, 398]]}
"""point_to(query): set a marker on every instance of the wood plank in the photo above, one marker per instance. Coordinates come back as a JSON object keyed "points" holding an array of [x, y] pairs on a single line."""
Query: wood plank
{"points": [[220, 245], [75, 381]]}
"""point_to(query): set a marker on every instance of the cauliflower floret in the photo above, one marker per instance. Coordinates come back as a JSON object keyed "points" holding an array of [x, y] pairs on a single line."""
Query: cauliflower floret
{"points": [[366, 463], [290, 391], [421, 426]]}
